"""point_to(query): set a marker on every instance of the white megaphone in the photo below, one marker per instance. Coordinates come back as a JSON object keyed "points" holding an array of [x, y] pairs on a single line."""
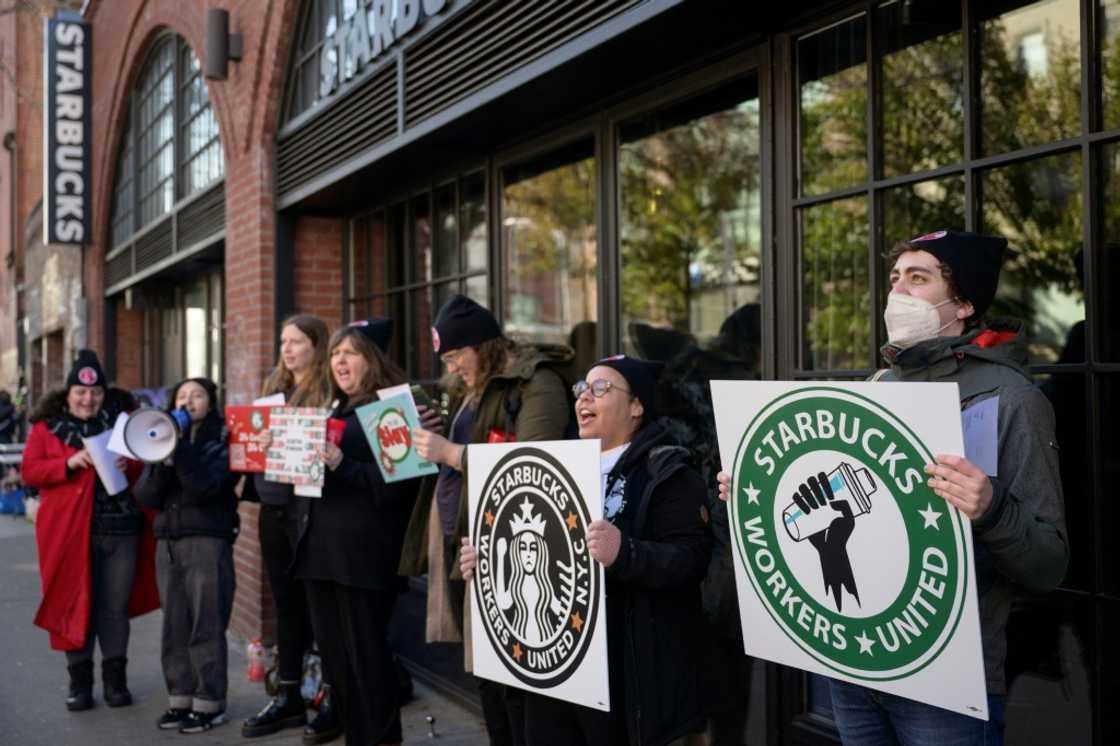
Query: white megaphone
{"points": [[152, 434]]}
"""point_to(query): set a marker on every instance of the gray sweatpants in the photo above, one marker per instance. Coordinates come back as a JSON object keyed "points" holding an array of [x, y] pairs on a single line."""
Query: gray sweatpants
{"points": [[112, 571], [196, 584]]}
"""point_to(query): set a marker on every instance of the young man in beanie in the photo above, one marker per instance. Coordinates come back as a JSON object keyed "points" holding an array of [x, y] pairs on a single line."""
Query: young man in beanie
{"points": [[941, 285], [654, 544], [500, 391]]}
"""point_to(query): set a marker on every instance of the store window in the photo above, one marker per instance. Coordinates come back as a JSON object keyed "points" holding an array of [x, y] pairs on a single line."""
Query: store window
{"points": [[182, 329], [550, 248], [171, 148], [1011, 160], [407, 258], [690, 229]]}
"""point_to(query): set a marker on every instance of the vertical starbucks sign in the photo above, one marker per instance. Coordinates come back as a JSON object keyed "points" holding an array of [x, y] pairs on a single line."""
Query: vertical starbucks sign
{"points": [[846, 563]]}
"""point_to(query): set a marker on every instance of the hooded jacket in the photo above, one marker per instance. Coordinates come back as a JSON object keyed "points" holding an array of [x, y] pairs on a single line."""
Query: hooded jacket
{"points": [[527, 401], [1021, 540], [193, 496], [63, 528], [656, 633]]}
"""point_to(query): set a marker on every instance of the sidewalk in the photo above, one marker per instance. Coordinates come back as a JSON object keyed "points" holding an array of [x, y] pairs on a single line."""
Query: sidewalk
{"points": [[33, 683]]}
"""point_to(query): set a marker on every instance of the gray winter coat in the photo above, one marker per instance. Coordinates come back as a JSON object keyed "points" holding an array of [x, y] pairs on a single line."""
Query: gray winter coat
{"points": [[1021, 541]]}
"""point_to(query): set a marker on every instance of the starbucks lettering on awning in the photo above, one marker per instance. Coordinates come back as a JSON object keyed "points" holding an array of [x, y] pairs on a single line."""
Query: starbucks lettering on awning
{"points": [[368, 34]]}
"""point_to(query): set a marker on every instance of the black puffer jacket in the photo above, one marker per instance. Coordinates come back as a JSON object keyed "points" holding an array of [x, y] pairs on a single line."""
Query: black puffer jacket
{"points": [[656, 626], [194, 496]]}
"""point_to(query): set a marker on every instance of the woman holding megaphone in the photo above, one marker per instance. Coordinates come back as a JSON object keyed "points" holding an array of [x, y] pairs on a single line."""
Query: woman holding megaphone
{"points": [[196, 524], [95, 549]]}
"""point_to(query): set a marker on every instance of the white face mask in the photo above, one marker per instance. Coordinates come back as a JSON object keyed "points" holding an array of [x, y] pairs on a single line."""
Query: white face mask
{"points": [[911, 320]]}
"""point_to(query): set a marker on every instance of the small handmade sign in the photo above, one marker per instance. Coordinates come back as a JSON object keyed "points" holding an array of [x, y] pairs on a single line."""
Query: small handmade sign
{"points": [[295, 455], [248, 438], [388, 426]]}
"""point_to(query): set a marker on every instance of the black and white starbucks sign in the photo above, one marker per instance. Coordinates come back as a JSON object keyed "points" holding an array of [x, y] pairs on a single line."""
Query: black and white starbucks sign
{"points": [[538, 602], [846, 563]]}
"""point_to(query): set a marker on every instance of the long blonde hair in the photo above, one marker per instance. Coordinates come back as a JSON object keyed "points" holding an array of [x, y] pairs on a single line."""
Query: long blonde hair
{"points": [[381, 373], [315, 388]]}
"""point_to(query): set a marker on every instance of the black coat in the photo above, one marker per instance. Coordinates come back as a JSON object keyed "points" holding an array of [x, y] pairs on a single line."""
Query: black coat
{"points": [[194, 496], [352, 535], [656, 627]]}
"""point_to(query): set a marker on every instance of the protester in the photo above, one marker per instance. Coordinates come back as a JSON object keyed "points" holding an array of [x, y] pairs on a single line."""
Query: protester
{"points": [[96, 551], [500, 391], [350, 542], [302, 375], [941, 286], [655, 545], [196, 524]]}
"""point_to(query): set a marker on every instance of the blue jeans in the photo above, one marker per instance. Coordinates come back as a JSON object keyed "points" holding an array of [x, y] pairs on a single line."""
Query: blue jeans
{"points": [[866, 717]]}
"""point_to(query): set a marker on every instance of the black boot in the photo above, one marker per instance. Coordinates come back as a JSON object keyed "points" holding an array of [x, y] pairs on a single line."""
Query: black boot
{"points": [[325, 727], [81, 686], [284, 711], [114, 682]]}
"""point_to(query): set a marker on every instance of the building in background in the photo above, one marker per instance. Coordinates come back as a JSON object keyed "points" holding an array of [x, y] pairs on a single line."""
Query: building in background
{"points": [[681, 180]]}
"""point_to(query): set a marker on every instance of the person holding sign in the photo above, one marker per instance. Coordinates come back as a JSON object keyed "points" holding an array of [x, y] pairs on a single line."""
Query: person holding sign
{"points": [[349, 543], [500, 392], [942, 283], [302, 376], [196, 524], [96, 550], [655, 545]]}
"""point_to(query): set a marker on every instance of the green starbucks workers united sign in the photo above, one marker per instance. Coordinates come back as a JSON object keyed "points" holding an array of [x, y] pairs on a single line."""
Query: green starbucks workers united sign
{"points": [[847, 564]]}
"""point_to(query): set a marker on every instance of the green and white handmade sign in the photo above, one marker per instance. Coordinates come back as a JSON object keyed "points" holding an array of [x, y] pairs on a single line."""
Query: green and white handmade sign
{"points": [[847, 565]]}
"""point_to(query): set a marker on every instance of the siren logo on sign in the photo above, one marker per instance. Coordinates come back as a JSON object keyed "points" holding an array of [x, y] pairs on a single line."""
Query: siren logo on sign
{"points": [[816, 472], [536, 585]]}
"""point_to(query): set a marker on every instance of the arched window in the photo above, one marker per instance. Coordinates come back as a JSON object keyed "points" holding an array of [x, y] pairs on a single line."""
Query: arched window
{"points": [[171, 148]]}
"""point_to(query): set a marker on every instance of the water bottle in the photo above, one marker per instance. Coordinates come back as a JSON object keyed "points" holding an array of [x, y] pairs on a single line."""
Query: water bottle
{"points": [[854, 486]]}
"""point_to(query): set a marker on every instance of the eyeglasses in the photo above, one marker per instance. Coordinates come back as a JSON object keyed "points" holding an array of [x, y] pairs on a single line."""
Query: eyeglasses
{"points": [[452, 357], [599, 388]]}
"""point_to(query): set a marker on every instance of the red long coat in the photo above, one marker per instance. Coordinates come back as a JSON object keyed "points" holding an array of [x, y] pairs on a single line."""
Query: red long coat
{"points": [[62, 531]]}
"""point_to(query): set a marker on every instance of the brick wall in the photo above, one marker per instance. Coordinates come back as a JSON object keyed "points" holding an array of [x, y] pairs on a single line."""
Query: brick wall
{"points": [[130, 357], [246, 107], [318, 268]]}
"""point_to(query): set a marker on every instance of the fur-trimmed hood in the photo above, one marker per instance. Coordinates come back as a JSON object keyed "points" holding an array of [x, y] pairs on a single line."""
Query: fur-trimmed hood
{"points": [[53, 405]]}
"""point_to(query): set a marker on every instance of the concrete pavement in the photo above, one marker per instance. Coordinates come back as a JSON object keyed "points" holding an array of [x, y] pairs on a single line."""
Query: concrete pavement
{"points": [[33, 680]]}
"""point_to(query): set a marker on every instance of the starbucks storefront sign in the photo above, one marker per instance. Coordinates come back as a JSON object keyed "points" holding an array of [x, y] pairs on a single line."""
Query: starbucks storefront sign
{"points": [[847, 564]]}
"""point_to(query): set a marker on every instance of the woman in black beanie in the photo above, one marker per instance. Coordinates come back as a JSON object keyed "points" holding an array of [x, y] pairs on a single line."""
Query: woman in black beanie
{"points": [[95, 549], [500, 391]]}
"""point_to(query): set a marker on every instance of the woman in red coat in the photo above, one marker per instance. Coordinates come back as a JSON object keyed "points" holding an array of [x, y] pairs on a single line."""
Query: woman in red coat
{"points": [[96, 551]]}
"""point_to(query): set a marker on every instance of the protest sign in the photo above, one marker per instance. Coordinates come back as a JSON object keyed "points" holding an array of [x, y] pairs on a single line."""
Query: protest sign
{"points": [[538, 603], [248, 438], [295, 454], [388, 427], [875, 582]]}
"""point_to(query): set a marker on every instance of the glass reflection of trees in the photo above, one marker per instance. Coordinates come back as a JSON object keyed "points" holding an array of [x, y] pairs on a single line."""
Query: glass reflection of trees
{"points": [[689, 222], [549, 245]]}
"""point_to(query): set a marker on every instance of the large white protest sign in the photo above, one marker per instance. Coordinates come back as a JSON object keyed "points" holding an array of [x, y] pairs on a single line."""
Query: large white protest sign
{"points": [[847, 565], [538, 611]]}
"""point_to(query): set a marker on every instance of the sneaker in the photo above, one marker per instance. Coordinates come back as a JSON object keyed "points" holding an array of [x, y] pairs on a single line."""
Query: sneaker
{"points": [[173, 718], [200, 722]]}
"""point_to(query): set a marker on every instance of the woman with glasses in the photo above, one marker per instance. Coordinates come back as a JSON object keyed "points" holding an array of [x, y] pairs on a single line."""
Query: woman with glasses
{"points": [[654, 544], [500, 392]]}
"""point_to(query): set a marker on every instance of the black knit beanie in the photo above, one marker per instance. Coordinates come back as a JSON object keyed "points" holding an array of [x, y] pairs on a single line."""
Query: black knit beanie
{"points": [[641, 376], [973, 259], [463, 323], [379, 331], [86, 371]]}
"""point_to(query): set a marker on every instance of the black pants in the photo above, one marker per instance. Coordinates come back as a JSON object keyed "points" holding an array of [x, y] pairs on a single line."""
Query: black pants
{"points": [[278, 533], [352, 627], [196, 586], [553, 722], [112, 561]]}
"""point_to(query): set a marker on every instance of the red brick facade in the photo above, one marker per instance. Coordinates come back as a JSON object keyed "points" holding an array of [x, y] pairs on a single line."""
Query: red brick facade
{"points": [[246, 107], [318, 268]]}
